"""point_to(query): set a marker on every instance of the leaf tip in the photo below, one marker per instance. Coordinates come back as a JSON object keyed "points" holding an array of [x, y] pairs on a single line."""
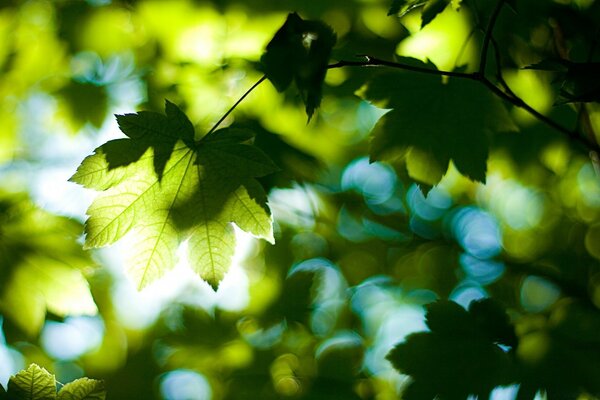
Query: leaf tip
{"points": [[214, 284]]}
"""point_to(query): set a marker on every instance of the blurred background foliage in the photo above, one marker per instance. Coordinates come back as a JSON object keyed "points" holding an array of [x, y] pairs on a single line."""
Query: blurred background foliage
{"points": [[359, 252]]}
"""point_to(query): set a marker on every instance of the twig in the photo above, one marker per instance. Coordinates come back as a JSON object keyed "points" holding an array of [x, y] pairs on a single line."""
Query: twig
{"points": [[517, 101], [376, 62], [488, 37], [216, 125], [507, 95]]}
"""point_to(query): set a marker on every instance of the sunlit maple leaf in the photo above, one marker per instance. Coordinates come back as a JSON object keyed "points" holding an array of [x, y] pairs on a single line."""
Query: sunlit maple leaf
{"points": [[168, 188]]}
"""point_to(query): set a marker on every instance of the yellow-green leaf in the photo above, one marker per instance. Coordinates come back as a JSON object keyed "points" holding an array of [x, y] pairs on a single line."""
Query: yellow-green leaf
{"points": [[165, 188], [83, 389], [34, 383]]}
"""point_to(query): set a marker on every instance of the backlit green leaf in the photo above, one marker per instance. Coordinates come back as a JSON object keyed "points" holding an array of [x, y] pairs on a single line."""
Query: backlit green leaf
{"points": [[166, 188], [83, 389], [34, 383]]}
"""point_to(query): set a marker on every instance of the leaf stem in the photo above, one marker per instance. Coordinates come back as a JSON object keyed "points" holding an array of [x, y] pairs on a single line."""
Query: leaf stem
{"points": [[216, 125], [376, 62], [488, 37]]}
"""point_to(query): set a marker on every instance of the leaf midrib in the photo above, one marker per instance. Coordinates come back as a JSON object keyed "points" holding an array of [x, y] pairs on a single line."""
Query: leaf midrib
{"points": [[164, 223], [140, 196]]}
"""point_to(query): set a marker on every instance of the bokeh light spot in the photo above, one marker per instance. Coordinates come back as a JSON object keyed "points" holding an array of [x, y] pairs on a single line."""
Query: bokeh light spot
{"points": [[185, 385]]}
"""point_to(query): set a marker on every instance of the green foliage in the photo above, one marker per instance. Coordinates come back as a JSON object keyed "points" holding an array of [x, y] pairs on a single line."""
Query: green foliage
{"points": [[433, 122], [300, 51], [35, 383], [431, 8], [170, 188], [42, 265], [460, 356], [342, 304], [578, 82]]}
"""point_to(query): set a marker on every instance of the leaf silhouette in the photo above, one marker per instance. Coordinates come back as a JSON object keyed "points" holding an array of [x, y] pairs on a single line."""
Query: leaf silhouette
{"points": [[437, 122], [431, 8], [168, 189], [458, 357], [300, 51]]}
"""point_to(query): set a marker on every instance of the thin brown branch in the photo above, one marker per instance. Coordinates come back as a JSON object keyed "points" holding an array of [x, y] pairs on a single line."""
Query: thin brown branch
{"points": [[506, 94], [216, 125], [488, 37], [376, 62]]}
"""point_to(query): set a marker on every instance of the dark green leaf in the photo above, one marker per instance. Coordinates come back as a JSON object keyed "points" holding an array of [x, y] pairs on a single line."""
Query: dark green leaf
{"points": [[300, 51], [491, 318], [456, 359], [431, 10], [86, 101], [402, 7], [440, 121], [284, 52], [580, 82]]}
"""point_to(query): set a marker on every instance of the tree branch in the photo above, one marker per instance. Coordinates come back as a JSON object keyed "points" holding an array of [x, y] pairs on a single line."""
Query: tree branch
{"points": [[376, 62], [507, 94]]}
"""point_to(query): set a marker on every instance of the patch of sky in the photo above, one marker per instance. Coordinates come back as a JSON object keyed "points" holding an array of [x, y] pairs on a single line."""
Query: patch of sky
{"points": [[184, 384], [295, 206], [387, 319], [467, 291], [483, 272], [429, 208], [476, 231], [72, 338], [11, 361], [425, 229], [589, 185], [377, 182]]}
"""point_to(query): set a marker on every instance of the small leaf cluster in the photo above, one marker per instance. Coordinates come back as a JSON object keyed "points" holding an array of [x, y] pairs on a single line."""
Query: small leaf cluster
{"points": [[36, 383]]}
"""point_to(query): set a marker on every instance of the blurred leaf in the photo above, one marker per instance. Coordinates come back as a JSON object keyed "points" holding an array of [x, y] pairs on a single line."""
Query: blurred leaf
{"points": [[181, 190], [296, 165], [83, 389], [442, 121], [431, 8], [41, 264], [86, 101], [296, 302], [300, 51], [580, 82], [456, 359], [34, 383], [340, 357]]}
